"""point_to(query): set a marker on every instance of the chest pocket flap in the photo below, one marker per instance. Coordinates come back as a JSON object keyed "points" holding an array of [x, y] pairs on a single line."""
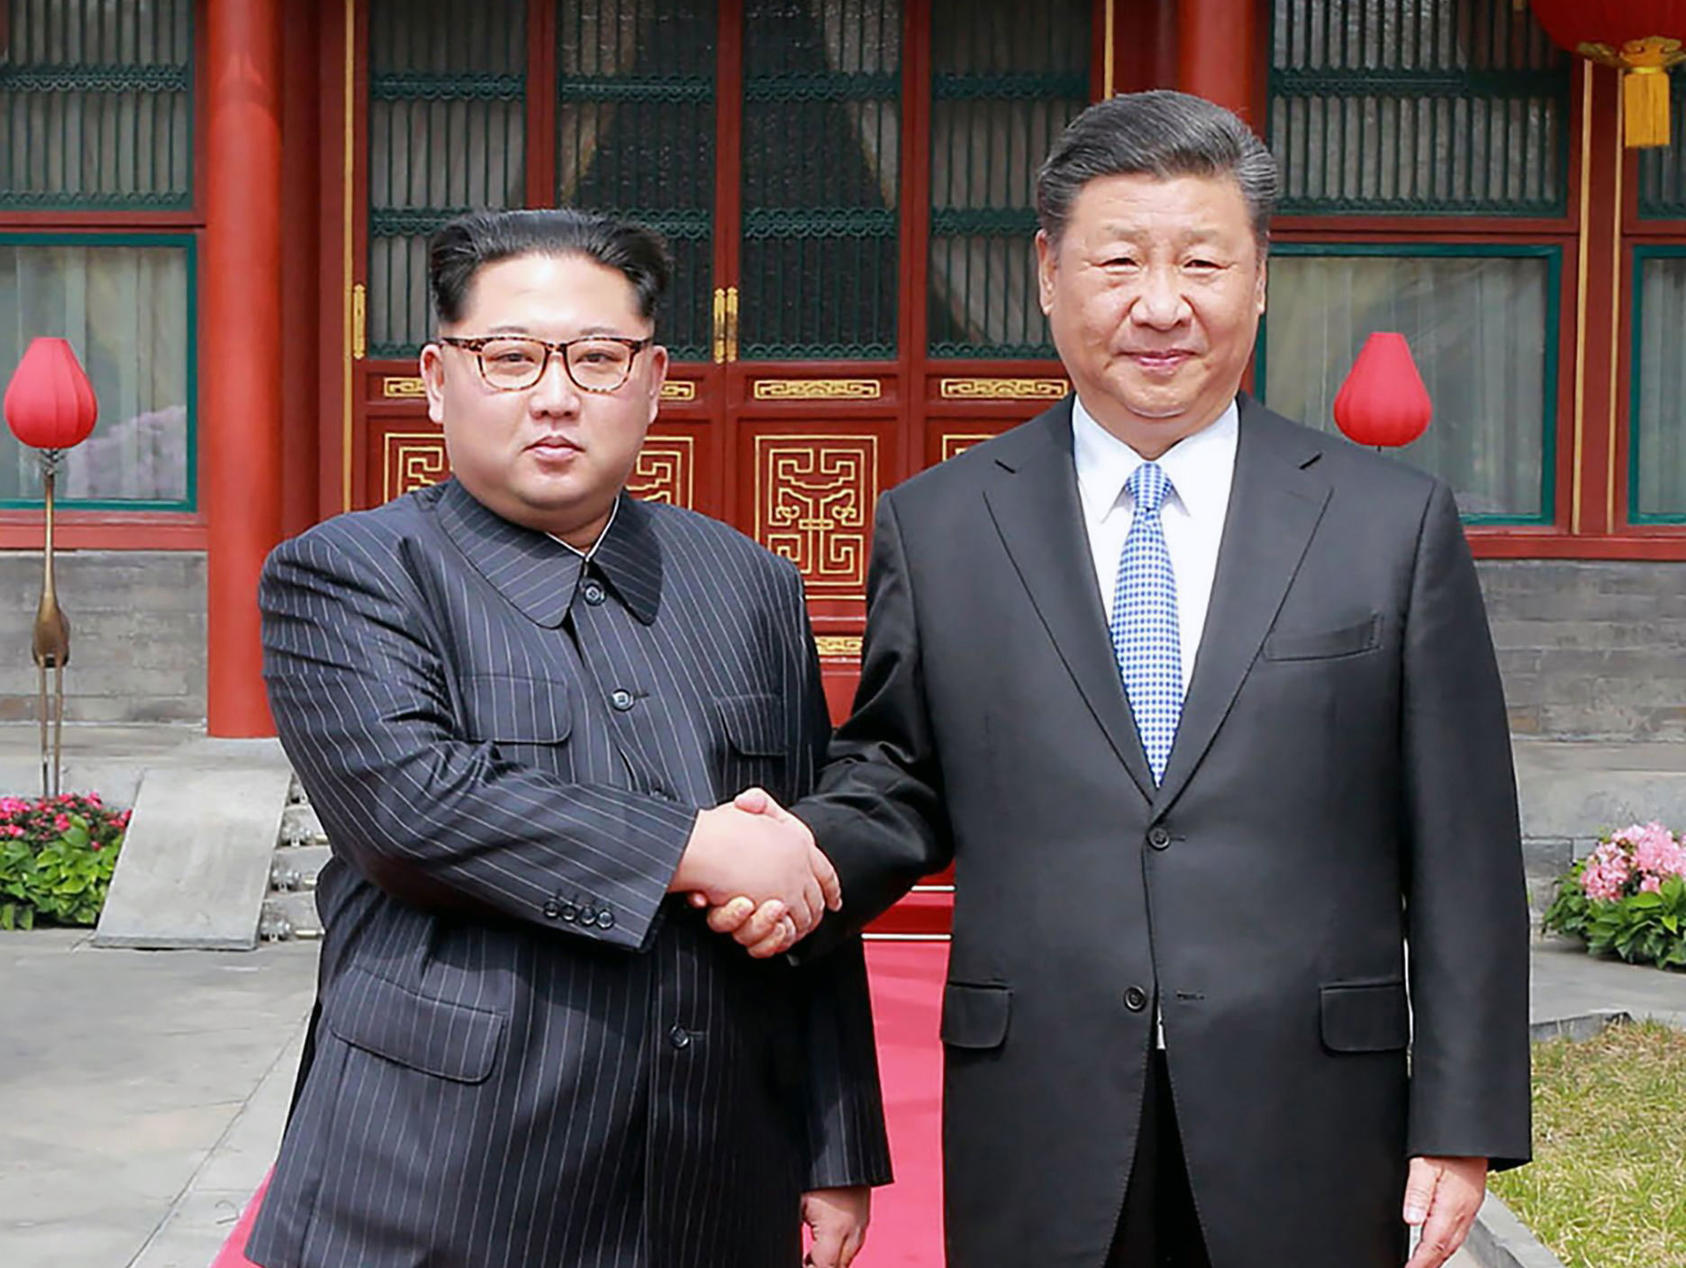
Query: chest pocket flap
{"points": [[754, 725], [516, 709]]}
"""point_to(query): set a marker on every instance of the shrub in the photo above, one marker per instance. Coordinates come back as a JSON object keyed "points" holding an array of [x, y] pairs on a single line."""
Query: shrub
{"points": [[1627, 898], [56, 858]]}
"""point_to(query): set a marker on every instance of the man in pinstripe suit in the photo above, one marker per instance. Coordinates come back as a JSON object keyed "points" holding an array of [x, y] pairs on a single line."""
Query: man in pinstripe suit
{"points": [[517, 701]]}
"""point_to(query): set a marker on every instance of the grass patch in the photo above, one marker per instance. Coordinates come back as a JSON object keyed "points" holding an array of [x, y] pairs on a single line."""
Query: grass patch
{"points": [[1608, 1187]]}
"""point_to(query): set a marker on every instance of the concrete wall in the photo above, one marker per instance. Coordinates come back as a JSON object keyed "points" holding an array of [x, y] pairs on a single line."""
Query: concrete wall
{"points": [[1590, 650], [137, 635], [1593, 650]]}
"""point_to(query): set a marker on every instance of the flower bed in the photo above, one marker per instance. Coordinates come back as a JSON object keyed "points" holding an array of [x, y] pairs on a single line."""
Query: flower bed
{"points": [[56, 858], [1627, 898]]}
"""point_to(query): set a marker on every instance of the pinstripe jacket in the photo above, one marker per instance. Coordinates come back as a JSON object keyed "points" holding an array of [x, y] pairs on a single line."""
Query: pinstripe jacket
{"points": [[526, 1053]]}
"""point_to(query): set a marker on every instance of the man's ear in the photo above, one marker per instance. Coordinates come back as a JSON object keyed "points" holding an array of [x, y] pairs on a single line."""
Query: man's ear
{"points": [[433, 380], [1047, 265], [658, 376]]}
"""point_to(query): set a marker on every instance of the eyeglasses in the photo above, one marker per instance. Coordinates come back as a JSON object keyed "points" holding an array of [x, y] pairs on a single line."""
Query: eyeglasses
{"points": [[513, 363]]}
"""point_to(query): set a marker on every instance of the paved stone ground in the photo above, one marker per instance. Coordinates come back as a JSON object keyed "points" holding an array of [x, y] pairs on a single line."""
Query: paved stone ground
{"points": [[142, 1093]]}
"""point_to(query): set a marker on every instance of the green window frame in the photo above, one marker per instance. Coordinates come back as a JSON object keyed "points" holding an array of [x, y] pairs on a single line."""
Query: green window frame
{"points": [[1636, 434], [186, 243], [1553, 257]]}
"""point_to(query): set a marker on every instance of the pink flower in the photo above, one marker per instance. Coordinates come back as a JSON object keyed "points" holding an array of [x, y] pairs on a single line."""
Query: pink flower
{"points": [[61, 823], [1607, 870], [1657, 853], [1650, 885]]}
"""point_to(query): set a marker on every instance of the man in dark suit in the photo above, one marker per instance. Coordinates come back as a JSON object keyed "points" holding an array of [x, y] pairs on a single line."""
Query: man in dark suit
{"points": [[516, 700], [1203, 708]]}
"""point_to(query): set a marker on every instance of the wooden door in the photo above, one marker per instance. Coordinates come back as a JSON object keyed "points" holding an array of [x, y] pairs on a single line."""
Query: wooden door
{"points": [[846, 188]]}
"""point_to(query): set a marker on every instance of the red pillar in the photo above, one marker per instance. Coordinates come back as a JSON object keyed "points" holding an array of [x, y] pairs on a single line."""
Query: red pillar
{"points": [[1216, 53], [241, 349]]}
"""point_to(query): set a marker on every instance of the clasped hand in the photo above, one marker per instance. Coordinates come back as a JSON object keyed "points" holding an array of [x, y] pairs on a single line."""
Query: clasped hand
{"points": [[755, 867]]}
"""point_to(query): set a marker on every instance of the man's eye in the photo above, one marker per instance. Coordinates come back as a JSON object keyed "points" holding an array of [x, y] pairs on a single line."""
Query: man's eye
{"points": [[513, 358], [598, 356]]}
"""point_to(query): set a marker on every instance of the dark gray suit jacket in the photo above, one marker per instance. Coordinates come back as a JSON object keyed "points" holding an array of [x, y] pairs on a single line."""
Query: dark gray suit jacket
{"points": [[527, 1053], [1341, 784]]}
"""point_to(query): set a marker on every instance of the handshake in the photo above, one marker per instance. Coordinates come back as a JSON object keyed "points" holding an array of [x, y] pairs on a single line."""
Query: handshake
{"points": [[755, 867]]}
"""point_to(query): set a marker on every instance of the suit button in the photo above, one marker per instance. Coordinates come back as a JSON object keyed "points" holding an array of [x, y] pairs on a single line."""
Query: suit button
{"points": [[552, 909], [622, 700], [570, 913], [588, 916], [605, 919], [679, 1037], [1158, 838], [592, 593], [1135, 999]]}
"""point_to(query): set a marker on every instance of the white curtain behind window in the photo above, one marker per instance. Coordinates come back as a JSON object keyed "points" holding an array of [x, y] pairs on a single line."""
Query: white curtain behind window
{"points": [[1478, 332], [125, 311]]}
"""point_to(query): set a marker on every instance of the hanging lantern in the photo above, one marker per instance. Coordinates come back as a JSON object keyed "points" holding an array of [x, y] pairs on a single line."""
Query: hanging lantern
{"points": [[50, 403], [1383, 401], [50, 406], [1641, 38]]}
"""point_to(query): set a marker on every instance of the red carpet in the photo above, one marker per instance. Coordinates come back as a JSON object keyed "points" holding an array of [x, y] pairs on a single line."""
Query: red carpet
{"points": [[906, 1217]]}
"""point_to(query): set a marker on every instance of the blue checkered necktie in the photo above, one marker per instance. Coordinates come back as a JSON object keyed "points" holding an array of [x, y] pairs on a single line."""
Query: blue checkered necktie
{"points": [[1146, 634]]}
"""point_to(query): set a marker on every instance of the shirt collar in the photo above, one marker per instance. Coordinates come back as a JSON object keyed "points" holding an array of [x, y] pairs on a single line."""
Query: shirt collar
{"points": [[587, 555], [541, 581], [1198, 466]]}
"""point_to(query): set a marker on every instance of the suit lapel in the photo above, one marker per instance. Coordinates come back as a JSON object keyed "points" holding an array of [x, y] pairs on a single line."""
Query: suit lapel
{"points": [[1035, 508], [1276, 500]]}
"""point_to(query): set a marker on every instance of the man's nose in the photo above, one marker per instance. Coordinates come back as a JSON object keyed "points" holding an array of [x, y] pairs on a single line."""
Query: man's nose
{"points": [[1160, 303], [555, 392]]}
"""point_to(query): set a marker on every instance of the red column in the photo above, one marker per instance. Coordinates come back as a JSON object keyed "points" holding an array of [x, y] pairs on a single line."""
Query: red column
{"points": [[1216, 53], [241, 349]]}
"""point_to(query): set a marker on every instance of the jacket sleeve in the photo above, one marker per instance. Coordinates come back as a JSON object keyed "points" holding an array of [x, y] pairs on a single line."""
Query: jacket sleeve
{"points": [[1466, 907], [363, 702], [847, 1141], [878, 813]]}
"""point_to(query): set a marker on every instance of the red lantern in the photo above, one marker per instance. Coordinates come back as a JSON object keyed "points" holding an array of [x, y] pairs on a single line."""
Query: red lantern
{"points": [[50, 403], [1642, 38], [1383, 401]]}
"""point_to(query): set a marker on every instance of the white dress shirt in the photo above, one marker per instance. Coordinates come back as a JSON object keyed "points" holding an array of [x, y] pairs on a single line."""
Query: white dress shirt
{"points": [[1201, 469]]}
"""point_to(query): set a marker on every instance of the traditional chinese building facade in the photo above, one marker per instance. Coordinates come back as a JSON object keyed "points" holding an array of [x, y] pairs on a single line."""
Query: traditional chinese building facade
{"points": [[223, 204]]}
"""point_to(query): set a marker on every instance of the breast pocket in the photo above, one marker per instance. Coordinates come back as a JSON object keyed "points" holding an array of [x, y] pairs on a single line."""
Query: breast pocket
{"points": [[508, 709], [1348, 639], [755, 747]]}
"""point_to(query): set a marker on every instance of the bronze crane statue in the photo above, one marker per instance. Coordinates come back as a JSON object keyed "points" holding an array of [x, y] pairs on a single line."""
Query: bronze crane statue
{"points": [[51, 645]]}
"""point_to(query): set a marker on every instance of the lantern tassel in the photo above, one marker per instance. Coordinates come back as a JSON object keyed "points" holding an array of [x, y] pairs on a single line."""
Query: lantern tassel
{"points": [[1645, 106]]}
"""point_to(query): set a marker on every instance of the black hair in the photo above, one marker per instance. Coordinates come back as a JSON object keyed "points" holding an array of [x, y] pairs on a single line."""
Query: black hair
{"points": [[460, 248], [1164, 134]]}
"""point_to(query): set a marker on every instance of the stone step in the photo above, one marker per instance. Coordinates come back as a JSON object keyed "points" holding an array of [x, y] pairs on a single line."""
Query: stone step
{"points": [[297, 866], [288, 915], [301, 850], [300, 826]]}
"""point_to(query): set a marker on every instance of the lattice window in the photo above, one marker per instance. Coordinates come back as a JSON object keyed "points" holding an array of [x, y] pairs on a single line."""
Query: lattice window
{"points": [[96, 104], [1482, 322], [1006, 78], [447, 133], [1662, 169], [821, 179], [1418, 107], [635, 136]]}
